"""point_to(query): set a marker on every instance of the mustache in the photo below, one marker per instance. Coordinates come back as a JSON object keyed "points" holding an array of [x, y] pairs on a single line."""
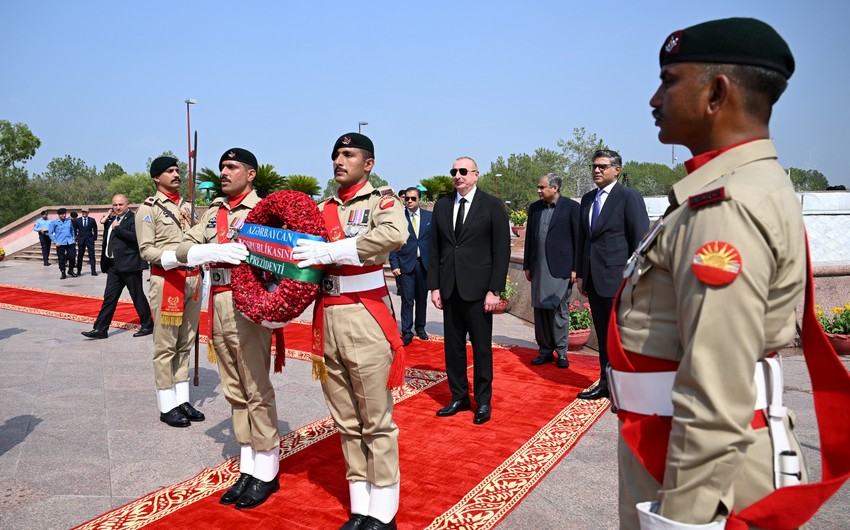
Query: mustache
{"points": [[656, 113]]}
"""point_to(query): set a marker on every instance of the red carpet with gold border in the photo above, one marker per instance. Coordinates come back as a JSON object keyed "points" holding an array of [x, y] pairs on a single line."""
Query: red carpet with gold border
{"points": [[454, 474]]}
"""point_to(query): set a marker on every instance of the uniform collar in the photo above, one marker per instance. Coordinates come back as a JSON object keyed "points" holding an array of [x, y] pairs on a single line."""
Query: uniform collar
{"points": [[367, 189]]}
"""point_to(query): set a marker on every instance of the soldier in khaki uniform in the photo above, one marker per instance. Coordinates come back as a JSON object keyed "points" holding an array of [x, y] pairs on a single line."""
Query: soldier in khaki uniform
{"points": [[242, 348], [364, 225], [710, 293], [160, 223]]}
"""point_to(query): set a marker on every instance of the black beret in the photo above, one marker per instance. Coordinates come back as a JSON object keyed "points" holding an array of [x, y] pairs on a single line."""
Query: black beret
{"points": [[745, 41], [162, 163], [353, 139], [239, 155], [73, 215], [61, 211]]}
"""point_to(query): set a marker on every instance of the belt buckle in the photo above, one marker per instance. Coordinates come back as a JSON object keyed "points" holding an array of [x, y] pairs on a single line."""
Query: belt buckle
{"points": [[330, 285]]}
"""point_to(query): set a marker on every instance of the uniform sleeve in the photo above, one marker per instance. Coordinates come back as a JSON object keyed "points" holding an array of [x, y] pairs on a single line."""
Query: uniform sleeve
{"points": [[721, 331], [195, 234], [146, 234], [389, 231]]}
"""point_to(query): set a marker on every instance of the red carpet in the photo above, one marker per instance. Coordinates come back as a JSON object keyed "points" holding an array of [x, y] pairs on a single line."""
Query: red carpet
{"points": [[453, 474]]}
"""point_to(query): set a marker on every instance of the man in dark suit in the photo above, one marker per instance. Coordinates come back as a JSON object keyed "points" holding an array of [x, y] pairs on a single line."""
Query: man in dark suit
{"points": [[86, 230], [410, 265], [549, 263], [123, 265], [468, 266], [613, 220]]}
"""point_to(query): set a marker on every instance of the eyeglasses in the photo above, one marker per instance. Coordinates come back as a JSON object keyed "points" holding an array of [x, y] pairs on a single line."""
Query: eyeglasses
{"points": [[408, 199], [600, 167], [463, 171]]}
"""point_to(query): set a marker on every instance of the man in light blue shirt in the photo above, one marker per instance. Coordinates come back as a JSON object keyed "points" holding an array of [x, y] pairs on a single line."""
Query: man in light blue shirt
{"points": [[62, 234], [42, 226]]}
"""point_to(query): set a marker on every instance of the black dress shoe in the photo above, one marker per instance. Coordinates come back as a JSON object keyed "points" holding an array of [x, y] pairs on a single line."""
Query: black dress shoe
{"points": [[422, 335], [143, 332], [174, 418], [95, 334], [406, 340], [375, 524], [482, 414], [191, 412], [63, 276], [454, 407], [543, 358], [93, 273], [563, 362], [598, 392], [256, 493], [72, 274], [46, 263], [232, 495], [355, 523]]}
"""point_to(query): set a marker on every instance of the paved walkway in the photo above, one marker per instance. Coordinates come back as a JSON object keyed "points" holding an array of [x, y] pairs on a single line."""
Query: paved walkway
{"points": [[80, 433]]}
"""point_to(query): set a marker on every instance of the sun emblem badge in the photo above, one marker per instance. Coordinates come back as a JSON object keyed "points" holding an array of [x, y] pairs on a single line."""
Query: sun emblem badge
{"points": [[717, 263]]}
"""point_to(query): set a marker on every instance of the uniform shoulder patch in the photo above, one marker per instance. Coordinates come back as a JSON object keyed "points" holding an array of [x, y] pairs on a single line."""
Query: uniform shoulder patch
{"points": [[708, 197], [386, 202], [149, 201], [147, 219], [716, 263], [385, 190]]}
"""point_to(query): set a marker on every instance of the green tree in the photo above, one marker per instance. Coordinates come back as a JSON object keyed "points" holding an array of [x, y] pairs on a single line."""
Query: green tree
{"points": [[807, 179], [650, 178], [437, 187], [578, 152], [17, 143], [16, 196], [268, 180], [303, 183], [137, 187], [112, 170], [518, 176], [67, 169], [69, 180]]}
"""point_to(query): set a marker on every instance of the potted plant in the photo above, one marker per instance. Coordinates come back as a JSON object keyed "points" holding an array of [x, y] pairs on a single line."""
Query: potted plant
{"points": [[505, 296], [836, 327], [518, 220], [2, 254], [580, 323]]}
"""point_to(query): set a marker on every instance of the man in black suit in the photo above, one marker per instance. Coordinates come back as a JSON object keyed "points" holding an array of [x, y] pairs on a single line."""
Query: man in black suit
{"points": [[468, 266], [123, 265], [410, 265], [550, 265], [86, 230], [613, 220]]}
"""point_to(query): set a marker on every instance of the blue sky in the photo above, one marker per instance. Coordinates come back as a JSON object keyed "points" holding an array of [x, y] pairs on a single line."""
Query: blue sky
{"points": [[106, 81]]}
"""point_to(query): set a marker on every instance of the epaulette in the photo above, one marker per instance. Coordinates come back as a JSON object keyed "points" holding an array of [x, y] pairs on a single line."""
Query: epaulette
{"points": [[217, 201], [707, 197], [385, 190], [149, 201]]}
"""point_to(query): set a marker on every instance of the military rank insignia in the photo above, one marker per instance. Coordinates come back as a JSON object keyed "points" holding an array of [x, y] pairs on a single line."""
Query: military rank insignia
{"points": [[386, 202], [716, 263]]}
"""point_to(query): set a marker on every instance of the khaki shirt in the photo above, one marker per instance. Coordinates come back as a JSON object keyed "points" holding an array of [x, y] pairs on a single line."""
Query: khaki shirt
{"points": [[156, 231], [205, 231], [376, 218], [717, 334]]}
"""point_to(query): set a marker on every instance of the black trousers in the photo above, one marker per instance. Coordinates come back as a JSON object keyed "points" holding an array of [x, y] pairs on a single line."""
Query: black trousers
{"points": [[115, 283], [82, 248], [414, 295], [462, 317], [44, 239], [67, 256], [600, 308]]}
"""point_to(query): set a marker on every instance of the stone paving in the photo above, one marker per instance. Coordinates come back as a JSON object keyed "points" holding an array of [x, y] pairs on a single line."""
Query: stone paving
{"points": [[80, 433]]}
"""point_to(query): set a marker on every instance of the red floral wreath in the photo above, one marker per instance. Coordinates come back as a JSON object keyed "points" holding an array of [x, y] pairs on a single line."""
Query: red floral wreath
{"points": [[292, 210]]}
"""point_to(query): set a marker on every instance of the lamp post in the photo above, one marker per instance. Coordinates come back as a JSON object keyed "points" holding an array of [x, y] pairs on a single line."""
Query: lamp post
{"points": [[496, 183], [189, 143], [360, 124]]}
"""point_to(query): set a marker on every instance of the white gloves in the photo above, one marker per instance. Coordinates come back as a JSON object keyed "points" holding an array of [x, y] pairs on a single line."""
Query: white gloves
{"points": [[232, 253], [168, 260], [342, 252], [650, 520]]}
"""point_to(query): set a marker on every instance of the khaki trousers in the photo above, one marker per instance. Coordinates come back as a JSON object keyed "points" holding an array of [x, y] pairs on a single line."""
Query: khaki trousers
{"points": [[358, 358], [173, 344], [243, 354]]}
